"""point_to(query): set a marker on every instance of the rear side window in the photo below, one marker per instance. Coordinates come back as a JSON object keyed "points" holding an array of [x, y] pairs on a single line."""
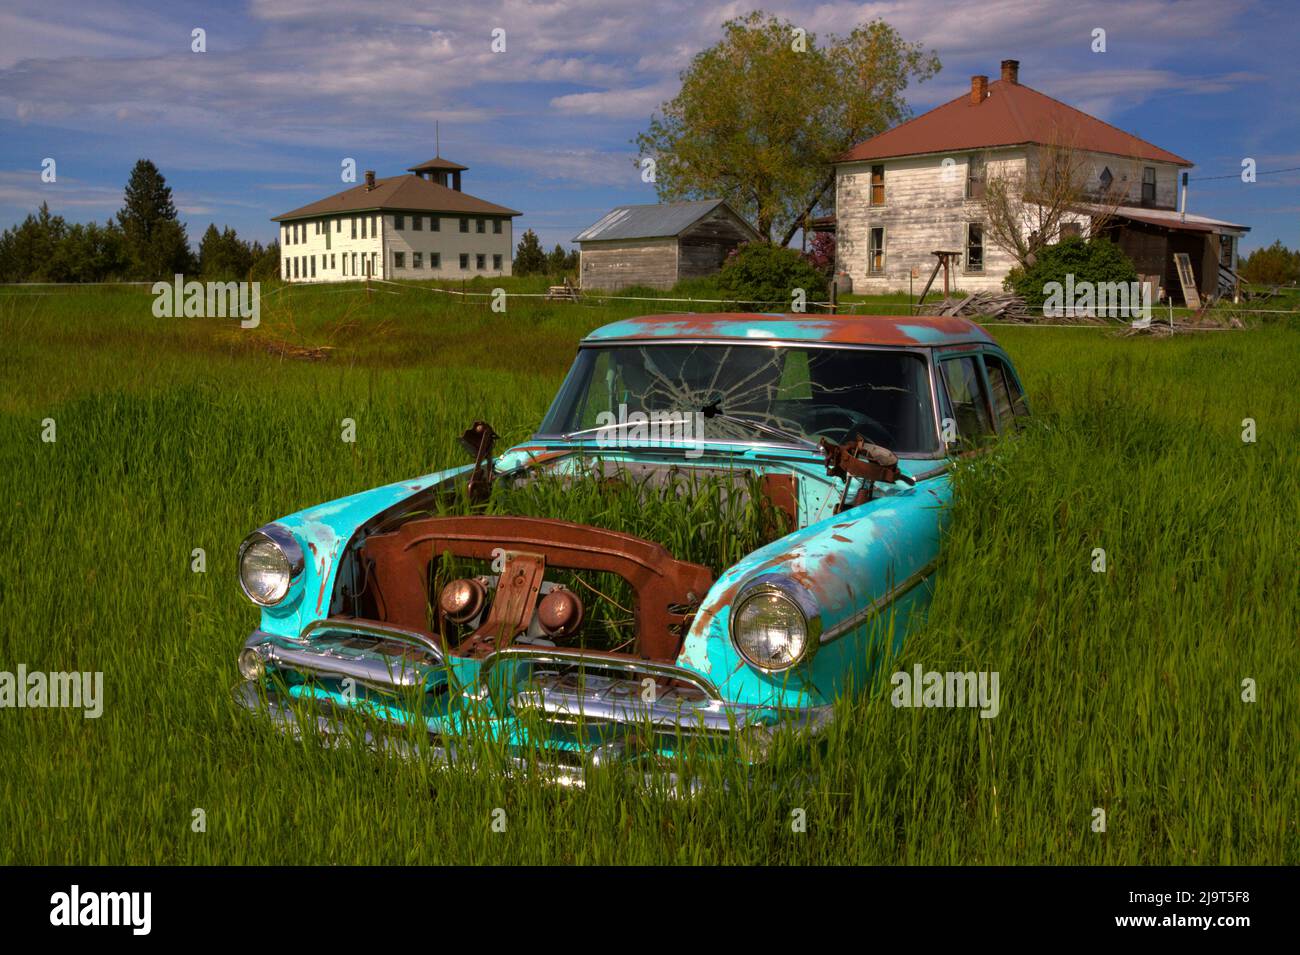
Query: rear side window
{"points": [[1008, 399], [969, 403]]}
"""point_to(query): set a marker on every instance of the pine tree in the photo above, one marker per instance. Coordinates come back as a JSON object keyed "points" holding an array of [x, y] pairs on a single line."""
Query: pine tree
{"points": [[529, 257], [155, 238]]}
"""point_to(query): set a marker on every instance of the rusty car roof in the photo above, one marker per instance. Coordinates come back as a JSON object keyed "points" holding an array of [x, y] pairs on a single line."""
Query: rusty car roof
{"points": [[905, 330]]}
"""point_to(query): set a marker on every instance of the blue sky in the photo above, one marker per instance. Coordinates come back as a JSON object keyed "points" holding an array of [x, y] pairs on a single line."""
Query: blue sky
{"points": [[287, 89]]}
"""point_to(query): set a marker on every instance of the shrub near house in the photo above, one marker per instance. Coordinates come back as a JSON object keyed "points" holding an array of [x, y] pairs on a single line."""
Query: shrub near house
{"points": [[760, 274], [1070, 264]]}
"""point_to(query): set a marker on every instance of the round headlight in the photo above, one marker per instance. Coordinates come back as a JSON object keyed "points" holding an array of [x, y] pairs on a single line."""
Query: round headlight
{"points": [[269, 560], [775, 624]]}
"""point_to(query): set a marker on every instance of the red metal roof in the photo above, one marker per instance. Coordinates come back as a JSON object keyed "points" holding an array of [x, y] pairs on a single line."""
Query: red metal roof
{"points": [[1011, 115], [904, 330]]}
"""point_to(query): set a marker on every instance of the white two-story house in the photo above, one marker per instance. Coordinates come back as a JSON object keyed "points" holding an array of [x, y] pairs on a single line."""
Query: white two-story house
{"points": [[918, 188], [417, 226]]}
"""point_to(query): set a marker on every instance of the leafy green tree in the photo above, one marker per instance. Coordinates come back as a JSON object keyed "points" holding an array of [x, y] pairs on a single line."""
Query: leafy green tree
{"points": [[155, 238], [1274, 265], [762, 113], [762, 274], [529, 257]]}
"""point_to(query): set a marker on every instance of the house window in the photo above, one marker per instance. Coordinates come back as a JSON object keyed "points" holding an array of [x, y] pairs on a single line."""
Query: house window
{"points": [[295, 266], [435, 260], [286, 269], [876, 251], [345, 263], [334, 262], [354, 263], [496, 262], [354, 227], [481, 226], [480, 262], [974, 247], [975, 177], [435, 224], [1106, 179], [399, 222], [365, 220], [464, 225], [313, 266], [1148, 185], [1071, 230], [399, 260], [338, 226], [417, 260], [496, 226], [877, 185], [417, 223], [464, 258]]}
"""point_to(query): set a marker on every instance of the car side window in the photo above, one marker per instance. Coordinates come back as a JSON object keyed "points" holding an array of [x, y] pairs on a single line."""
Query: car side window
{"points": [[1008, 399], [970, 408]]}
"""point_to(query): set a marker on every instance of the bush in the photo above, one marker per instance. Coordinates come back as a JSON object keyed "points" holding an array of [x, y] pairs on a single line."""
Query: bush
{"points": [[762, 274], [1091, 260]]}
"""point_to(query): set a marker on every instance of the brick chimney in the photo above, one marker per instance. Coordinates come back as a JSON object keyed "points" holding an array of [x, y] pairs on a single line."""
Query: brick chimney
{"points": [[1011, 72], [370, 179], [979, 89]]}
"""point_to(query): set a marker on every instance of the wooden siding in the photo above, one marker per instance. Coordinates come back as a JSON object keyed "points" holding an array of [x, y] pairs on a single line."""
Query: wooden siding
{"points": [[925, 209], [659, 263], [705, 245], [625, 262]]}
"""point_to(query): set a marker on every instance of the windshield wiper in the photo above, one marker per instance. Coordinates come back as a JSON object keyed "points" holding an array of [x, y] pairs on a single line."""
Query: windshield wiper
{"points": [[713, 410]]}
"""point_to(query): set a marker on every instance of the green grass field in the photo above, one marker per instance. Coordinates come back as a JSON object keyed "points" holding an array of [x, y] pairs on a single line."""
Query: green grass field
{"points": [[1119, 690]]}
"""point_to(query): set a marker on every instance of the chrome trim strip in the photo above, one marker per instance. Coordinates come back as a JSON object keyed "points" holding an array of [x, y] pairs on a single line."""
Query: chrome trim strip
{"points": [[378, 671], [594, 704], [860, 617], [375, 629], [589, 661]]}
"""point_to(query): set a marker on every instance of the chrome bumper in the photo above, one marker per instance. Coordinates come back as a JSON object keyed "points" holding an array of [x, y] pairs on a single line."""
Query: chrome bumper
{"points": [[607, 703]]}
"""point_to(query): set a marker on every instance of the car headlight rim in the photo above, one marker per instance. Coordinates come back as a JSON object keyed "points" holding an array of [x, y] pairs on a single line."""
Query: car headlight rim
{"points": [[798, 599], [285, 545]]}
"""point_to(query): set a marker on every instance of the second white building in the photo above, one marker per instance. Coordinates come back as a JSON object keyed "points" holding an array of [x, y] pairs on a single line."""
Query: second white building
{"points": [[417, 226]]}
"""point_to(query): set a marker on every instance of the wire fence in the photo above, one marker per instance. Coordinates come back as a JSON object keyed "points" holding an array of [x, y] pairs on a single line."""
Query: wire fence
{"points": [[824, 307]]}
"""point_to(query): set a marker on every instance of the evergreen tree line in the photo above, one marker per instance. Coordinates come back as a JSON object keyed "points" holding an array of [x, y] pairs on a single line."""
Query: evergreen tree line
{"points": [[144, 242], [531, 260]]}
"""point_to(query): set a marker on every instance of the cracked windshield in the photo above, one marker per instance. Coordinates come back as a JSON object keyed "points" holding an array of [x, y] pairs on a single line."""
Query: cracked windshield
{"points": [[753, 393]]}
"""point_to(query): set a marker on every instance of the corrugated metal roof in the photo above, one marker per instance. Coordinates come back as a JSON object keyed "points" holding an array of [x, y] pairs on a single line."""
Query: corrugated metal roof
{"points": [[1010, 115], [1171, 219], [652, 221]]}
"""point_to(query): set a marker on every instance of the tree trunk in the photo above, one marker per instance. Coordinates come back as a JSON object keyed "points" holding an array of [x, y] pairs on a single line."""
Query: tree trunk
{"points": [[817, 197]]}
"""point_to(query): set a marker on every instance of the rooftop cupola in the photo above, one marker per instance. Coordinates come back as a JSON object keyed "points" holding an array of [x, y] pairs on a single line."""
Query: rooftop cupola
{"points": [[442, 171]]}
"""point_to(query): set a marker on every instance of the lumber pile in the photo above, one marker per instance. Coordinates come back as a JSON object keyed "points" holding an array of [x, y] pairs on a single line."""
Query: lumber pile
{"points": [[1004, 305], [568, 292]]}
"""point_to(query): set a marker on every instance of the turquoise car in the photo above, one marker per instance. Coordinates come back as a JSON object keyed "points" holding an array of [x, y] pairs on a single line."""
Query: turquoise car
{"points": [[846, 427]]}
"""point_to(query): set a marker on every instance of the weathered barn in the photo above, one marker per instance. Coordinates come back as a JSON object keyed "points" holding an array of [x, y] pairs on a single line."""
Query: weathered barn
{"points": [[657, 245]]}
